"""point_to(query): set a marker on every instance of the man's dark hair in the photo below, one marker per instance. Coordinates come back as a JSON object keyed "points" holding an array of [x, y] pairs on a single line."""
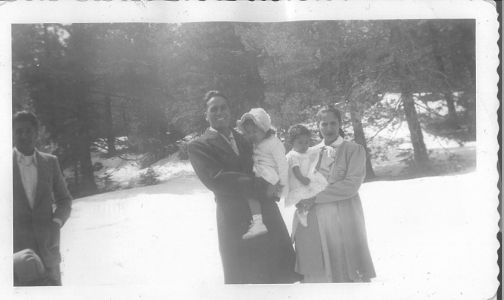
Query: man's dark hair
{"points": [[214, 93], [26, 116]]}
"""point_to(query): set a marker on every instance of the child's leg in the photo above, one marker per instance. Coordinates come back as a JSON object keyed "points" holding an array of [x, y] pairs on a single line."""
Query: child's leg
{"points": [[255, 206], [257, 226]]}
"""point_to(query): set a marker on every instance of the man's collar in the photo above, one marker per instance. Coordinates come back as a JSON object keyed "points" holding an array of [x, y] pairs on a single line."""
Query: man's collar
{"points": [[216, 131]]}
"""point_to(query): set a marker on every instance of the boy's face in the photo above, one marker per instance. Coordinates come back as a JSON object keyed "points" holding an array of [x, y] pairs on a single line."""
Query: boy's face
{"points": [[301, 144], [25, 136]]}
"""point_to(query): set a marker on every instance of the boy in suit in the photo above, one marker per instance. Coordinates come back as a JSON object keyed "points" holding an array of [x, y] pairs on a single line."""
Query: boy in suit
{"points": [[41, 204]]}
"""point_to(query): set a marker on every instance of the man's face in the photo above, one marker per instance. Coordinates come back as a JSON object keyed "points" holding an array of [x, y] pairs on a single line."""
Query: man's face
{"points": [[218, 113], [25, 136]]}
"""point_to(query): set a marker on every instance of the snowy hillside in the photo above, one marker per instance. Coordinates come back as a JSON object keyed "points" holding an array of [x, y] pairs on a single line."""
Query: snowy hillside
{"points": [[389, 144], [423, 234]]}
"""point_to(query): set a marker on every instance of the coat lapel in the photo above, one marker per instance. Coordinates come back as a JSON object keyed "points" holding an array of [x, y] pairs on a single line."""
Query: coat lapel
{"points": [[241, 143], [337, 160], [18, 187], [219, 142], [41, 174]]}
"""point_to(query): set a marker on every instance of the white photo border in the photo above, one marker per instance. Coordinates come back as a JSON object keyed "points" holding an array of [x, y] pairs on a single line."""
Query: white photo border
{"points": [[483, 12]]}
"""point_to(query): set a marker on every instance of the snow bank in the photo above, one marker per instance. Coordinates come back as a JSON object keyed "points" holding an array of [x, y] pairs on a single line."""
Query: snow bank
{"points": [[125, 171]]}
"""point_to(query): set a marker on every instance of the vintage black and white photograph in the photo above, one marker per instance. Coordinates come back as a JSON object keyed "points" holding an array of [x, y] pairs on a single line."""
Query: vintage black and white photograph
{"points": [[207, 154]]}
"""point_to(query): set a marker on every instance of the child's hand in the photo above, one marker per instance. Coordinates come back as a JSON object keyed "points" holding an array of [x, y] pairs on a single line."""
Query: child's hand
{"points": [[305, 180]]}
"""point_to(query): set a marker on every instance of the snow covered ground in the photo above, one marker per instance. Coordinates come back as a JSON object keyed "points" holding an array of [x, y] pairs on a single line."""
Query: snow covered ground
{"points": [[425, 236], [429, 237]]}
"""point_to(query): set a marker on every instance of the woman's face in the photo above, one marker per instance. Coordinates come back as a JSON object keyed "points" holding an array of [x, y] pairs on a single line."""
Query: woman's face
{"points": [[329, 126], [218, 113]]}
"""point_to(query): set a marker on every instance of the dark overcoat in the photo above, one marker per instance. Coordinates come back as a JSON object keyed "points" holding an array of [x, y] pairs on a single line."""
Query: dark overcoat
{"points": [[33, 228], [268, 258]]}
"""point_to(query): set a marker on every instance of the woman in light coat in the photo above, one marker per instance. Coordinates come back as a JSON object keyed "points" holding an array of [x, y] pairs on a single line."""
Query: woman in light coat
{"points": [[333, 247]]}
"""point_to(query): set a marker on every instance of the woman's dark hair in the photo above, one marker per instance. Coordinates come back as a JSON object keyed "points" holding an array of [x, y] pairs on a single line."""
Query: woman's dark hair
{"points": [[295, 132], [214, 93], [26, 116], [329, 109], [336, 112]]}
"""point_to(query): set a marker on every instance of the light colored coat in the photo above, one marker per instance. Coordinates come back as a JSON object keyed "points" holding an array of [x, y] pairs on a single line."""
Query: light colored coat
{"points": [[333, 248]]}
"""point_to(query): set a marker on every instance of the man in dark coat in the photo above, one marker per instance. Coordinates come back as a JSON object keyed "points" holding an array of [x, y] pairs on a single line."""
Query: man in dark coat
{"points": [[38, 185], [222, 159]]}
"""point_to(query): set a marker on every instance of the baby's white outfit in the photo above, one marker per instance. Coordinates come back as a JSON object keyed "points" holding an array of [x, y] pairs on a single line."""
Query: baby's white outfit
{"points": [[270, 162], [307, 163]]}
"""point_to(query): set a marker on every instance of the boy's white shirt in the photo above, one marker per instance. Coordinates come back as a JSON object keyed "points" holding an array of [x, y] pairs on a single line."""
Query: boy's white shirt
{"points": [[27, 165]]}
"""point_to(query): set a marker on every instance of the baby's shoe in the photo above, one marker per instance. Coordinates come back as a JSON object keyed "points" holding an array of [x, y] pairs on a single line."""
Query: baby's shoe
{"points": [[256, 228]]}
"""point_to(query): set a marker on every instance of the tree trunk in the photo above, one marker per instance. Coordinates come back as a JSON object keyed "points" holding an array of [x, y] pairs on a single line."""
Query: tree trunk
{"points": [[109, 127], [88, 185], [406, 86], [452, 113], [254, 80], [416, 136], [76, 175], [360, 139]]}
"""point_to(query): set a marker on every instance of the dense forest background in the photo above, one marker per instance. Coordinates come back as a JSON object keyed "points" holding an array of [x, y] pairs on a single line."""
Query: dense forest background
{"points": [[128, 88]]}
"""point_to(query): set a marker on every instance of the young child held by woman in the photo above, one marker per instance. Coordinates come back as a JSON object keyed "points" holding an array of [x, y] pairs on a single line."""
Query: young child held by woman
{"points": [[304, 180], [270, 163]]}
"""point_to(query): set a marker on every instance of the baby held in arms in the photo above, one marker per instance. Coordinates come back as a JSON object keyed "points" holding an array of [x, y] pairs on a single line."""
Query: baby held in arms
{"points": [[270, 165], [305, 181]]}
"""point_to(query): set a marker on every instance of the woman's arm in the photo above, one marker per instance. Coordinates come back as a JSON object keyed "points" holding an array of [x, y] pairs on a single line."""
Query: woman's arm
{"points": [[348, 186], [213, 176]]}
